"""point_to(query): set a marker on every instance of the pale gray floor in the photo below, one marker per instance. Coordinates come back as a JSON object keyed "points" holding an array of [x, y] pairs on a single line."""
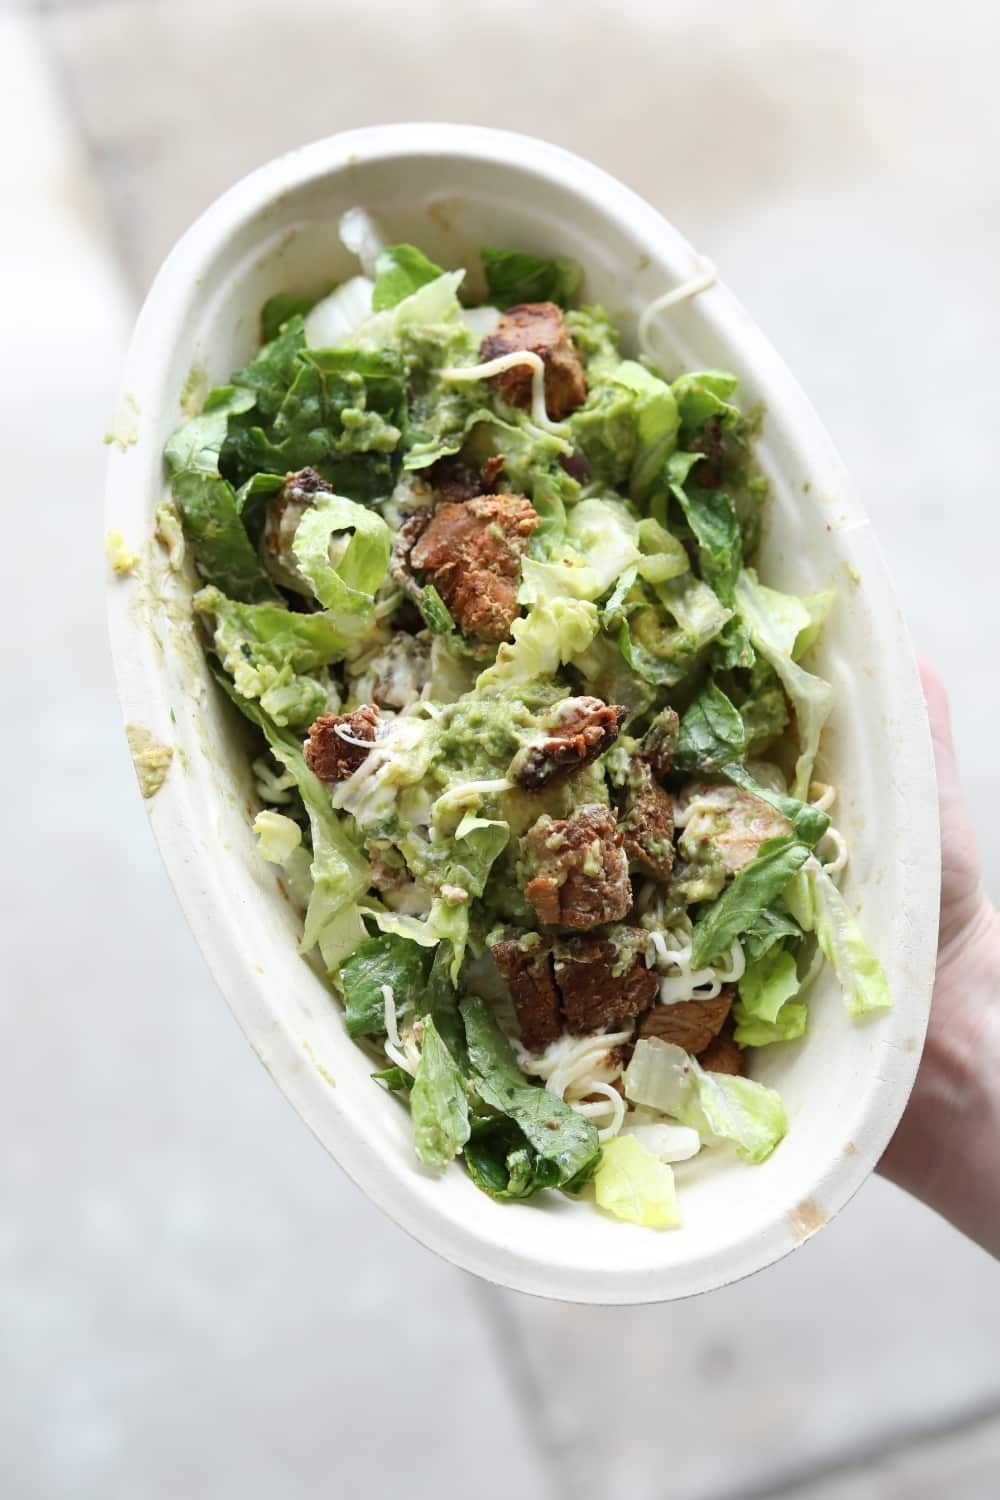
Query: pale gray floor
{"points": [[192, 1300]]}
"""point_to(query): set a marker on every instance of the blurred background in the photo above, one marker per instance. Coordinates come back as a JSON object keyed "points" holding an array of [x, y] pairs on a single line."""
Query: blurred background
{"points": [[193, 1300]]}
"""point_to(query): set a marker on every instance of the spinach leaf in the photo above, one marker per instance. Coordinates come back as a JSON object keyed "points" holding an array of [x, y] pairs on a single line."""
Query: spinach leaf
{"points": [[207, 503], [514, 277], [386, 959], [438, 1102], [400, 270], [753, 888], [251, 501], [552, 1128], [711, 733]]}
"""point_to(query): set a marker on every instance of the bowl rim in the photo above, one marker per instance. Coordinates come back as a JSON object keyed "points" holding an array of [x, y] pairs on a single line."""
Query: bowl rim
{"points": [[200, 888]]}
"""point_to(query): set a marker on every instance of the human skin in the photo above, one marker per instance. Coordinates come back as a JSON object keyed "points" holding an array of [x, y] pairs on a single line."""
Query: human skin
{"points": [[946, 1150]]}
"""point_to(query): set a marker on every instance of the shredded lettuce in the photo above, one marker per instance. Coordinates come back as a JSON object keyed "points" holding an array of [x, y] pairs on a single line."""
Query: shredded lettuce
{"points": [[717, 1105], [635, 1185]]}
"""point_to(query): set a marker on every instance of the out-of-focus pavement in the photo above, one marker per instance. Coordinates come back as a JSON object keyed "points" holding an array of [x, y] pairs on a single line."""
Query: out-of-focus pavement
{"points": [[193, 1301]]}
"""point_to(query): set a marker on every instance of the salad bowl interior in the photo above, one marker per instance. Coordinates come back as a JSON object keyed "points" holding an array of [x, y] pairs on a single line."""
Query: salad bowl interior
{"points": [[451, 189]]}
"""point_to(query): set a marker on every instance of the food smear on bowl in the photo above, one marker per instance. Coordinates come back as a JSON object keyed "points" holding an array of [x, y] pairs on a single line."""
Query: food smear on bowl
{"points": [[536, 745]]}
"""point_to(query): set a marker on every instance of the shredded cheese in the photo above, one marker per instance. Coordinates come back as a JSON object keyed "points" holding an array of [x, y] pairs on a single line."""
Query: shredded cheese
{"points": [[698, 283], [503, 362]]}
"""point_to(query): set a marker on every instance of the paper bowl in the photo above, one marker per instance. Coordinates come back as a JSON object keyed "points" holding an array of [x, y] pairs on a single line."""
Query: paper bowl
{"points": [[451, 189]]}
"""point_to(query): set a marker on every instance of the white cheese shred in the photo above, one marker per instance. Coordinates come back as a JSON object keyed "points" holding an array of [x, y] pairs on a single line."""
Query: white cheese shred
{"points": [[503, 362], [700, 282]]}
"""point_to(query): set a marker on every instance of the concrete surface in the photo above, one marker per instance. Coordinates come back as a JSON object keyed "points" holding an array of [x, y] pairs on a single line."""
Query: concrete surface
{"points": [[192, 1300]]}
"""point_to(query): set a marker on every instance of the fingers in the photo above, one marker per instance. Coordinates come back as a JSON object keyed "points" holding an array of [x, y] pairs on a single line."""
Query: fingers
{"points": [[939, 714]]}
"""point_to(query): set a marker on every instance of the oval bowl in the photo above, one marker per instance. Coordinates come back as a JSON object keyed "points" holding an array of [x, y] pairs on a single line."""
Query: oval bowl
{"points": [[450, 189]]}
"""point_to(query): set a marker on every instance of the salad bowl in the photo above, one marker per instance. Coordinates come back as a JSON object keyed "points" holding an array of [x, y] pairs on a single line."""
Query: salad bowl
{"points": [[451, 189]]}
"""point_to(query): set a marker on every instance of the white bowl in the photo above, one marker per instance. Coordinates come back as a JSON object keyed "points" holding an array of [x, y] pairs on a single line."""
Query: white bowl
{"points": [[451, 189]]}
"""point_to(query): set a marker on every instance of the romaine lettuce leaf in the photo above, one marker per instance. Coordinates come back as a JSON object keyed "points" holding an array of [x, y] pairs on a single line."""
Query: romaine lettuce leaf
{"points": [[207, 502], [711, 516], [711, 733], [514, 277], [765, 1011], [702, 394], [553, 1129], [439, 1104], [771, 925], [265, 648], [399, 271], [754, 887], [339, 869], [349, 588], [770, 621], [551, 635], [273, 369], [277, 311], [501, 1162], [634, 1185], [378, 961], [664, 1077], [862, 978]]}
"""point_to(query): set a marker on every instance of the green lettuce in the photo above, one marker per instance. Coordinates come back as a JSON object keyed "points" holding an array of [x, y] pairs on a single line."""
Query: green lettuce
{"points": [[636, 1186], [551, 1127], [501, 1161], [514, 277], [701, 395], [774, 626], [375, 962], [399, 271], [207, 502], [266, 648], [862, 978], [553, 634], [752, 889], [339, 870], [662, 1076], [349, 588], [711, 515], [439, 1104], [771, 925], [273, 370], [711, 734], [278, 310], [766, 1010]]}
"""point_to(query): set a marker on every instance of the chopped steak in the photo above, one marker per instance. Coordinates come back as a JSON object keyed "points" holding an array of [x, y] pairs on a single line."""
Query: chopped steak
{"points": [[691, 1024], [593, 995], [730, 822], [578, 731], [454, 481], [539, 328], [581, 875], [469, 542], [723, 1054], [660, 741], [338, 743], [648, 823], [528, 973]]}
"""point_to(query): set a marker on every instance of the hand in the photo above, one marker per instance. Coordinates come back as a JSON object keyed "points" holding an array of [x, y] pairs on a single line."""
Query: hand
{"points": [[946, 1150]]}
